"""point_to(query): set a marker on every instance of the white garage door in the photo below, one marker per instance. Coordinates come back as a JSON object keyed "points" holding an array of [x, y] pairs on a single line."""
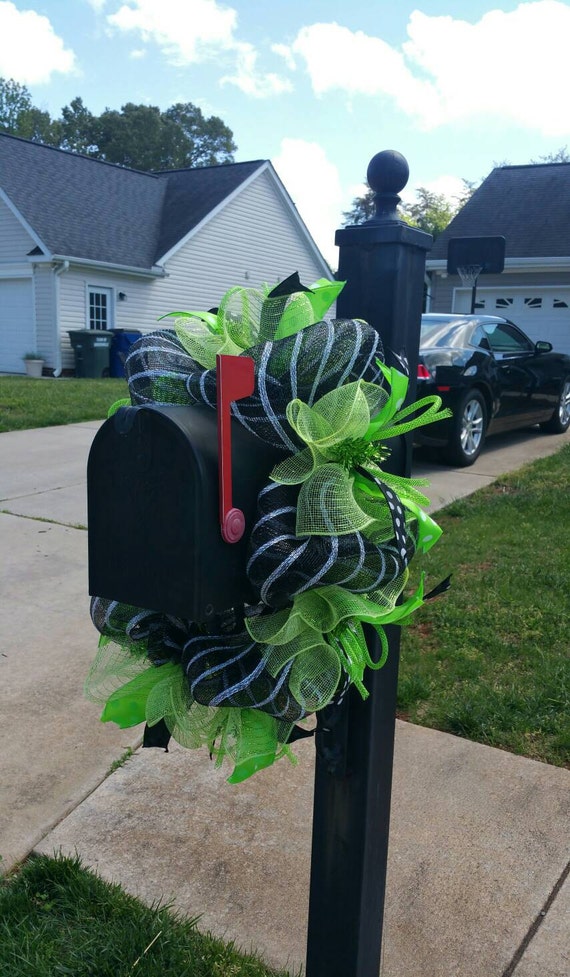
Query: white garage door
{"points": [[17, 332], [543, 313]]}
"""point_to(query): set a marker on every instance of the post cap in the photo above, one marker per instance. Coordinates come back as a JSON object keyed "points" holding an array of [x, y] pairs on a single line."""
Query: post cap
{"points": [[388, 172]]}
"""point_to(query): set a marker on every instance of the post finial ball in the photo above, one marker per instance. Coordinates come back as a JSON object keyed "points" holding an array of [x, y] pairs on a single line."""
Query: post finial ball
{"points": [[388, 172]]}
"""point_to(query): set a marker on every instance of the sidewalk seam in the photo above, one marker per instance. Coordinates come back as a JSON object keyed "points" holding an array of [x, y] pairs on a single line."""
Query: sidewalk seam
{"points": [[535, 926], [50, 522]]}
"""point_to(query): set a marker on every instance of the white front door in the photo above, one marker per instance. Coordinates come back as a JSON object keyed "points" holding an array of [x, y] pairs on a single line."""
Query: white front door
{"points": [[17, 326], [100, 310]]}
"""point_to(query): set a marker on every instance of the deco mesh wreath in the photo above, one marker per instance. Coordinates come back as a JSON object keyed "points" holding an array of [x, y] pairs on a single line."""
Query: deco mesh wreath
{"points": [[330, 547]]}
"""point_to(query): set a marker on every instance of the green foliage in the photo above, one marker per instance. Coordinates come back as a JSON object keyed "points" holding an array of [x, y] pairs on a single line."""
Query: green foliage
{"points": [[57, 918], [15, 99], [139, 136], [431, 212], [362, 210], [489, 660]]}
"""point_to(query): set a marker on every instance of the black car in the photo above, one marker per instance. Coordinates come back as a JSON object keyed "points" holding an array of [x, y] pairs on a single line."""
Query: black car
{"points": [[493, 377]]}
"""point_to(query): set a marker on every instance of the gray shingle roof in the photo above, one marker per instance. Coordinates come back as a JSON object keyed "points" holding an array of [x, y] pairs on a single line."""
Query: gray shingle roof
{"points": [[528, 205], [84, 208], [192, 194]]}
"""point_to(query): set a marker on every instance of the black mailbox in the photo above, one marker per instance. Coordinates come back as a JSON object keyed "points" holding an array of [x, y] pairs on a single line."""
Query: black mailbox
{"points": [[153, 509]]}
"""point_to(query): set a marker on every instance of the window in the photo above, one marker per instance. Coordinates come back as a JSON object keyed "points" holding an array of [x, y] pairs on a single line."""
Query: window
{"points": [[506, 338], [503, 303], [100, 308], [559, 304], [535, 303]]}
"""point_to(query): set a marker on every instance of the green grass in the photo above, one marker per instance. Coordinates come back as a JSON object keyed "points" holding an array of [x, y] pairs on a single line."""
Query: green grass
{"points": [[26, 403], [490, 660], [58, 919]]}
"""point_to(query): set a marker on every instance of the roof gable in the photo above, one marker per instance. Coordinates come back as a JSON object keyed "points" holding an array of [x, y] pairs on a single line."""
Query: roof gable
{"points": [[192, 195], [528, 205]]}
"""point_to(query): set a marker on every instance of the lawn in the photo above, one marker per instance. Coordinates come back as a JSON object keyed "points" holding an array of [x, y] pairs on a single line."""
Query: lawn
{"points": [[26, 403], [490, 660], [57, 919]]}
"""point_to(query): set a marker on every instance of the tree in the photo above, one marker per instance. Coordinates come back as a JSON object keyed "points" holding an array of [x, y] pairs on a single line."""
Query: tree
{"points": [[14, 100], [198, 141], [431, 211], [139, 136], [362, 210], [561, 155], [133, 137], [78, 131]]}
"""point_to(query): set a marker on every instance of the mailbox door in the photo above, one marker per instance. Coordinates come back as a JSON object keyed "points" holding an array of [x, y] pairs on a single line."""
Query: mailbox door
{"points": [[154, 533]]}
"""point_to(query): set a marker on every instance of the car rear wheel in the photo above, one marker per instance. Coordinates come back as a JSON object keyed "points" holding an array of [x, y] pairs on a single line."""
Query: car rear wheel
{"points": [[560, 420], [468, 430]]}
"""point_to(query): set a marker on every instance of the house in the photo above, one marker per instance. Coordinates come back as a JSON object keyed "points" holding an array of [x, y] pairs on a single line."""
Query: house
{"points": [[530, 207], [86, 244]]}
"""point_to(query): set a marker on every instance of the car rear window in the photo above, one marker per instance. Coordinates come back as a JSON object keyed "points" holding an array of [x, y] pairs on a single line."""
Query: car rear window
{"points": [[446, 332]]}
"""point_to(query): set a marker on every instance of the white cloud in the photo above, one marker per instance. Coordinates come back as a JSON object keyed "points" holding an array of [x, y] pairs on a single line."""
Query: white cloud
{"points": [[247, 79], [97, 4], [511, 66], [30, 50], [447, 185], [137, 54], [314, 184], [194, 31], [187, 31], [285, 52]]}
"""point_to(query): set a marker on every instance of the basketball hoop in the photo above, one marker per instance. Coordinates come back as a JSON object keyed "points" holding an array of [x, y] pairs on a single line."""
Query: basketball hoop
{"points": [[469, 274]]}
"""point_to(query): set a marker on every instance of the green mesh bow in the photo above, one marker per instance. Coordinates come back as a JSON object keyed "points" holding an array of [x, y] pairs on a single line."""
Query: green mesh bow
{"points": [[247, 316], [343, 432], [322, 635], [153, 693]]}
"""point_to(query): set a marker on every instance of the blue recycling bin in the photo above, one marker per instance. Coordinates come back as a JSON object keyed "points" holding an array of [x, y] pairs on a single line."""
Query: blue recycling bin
{"points": [[123, 339]]}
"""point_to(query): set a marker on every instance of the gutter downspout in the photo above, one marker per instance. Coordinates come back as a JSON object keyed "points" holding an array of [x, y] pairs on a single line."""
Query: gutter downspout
{"points": [[64, 266]]}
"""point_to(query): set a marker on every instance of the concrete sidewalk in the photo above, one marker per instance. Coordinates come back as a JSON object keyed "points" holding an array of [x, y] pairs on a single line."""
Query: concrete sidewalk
{"points": [[479, 839]]}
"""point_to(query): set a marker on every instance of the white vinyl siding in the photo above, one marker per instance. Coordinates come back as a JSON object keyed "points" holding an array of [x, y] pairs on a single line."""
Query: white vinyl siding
{"points": [[17, 328], [46, 318], [15, 242]]}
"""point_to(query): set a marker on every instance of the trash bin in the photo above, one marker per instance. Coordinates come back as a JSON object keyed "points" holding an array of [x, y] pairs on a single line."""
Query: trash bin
{"points": [[123, 339], [92, 350]]}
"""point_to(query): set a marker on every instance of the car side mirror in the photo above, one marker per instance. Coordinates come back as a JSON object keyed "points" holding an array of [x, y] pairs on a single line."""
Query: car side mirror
{"points": [[543, 347]]}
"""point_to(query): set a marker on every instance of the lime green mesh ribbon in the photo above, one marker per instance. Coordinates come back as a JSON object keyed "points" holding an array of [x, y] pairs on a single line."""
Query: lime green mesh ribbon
{"points": [[250, 738], [322, 635], [344, 431], [247, 316]]}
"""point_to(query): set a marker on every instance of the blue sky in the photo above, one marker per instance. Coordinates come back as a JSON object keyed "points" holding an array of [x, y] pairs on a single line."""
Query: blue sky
{"points": [[317, 87]]}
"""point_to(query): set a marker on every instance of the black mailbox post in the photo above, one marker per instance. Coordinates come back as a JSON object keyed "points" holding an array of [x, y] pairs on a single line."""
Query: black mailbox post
{"points": [[383, 263]]}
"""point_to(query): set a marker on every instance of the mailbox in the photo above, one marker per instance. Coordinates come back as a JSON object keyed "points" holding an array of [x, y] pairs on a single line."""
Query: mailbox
{"points": [[153, 505]]}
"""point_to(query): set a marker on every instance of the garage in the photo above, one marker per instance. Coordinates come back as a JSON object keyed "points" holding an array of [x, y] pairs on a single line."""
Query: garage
{"points": [[17, 327], [543, 313]]}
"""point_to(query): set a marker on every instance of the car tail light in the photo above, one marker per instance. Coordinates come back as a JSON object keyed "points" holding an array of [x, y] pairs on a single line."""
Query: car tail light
{"points": [[423, 372]]}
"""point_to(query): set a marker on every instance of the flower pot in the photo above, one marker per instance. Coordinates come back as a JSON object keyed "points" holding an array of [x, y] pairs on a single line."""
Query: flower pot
{"points": [[34, 368]]}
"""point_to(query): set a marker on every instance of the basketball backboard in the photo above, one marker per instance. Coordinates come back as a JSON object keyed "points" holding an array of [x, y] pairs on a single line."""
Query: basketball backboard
{"points": [[485, 253]]}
